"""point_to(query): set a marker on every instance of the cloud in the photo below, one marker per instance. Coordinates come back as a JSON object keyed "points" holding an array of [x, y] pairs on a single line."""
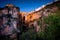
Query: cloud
{"points": [[56, 0], [40, 8]]}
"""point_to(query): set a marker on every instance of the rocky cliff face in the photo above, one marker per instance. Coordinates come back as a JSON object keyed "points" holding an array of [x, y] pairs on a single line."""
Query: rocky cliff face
{"points": [[42, 12]]}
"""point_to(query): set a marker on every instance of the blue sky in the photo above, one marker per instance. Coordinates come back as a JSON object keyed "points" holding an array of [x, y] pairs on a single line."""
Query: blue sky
{"points": [[25, 5]]}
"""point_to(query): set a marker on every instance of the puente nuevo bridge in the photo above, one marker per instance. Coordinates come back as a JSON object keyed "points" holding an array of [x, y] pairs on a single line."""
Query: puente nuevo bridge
{"points": [[12, 19]]}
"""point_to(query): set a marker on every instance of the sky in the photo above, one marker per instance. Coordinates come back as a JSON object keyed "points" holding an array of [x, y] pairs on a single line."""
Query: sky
{"points": [[25, 5]]}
